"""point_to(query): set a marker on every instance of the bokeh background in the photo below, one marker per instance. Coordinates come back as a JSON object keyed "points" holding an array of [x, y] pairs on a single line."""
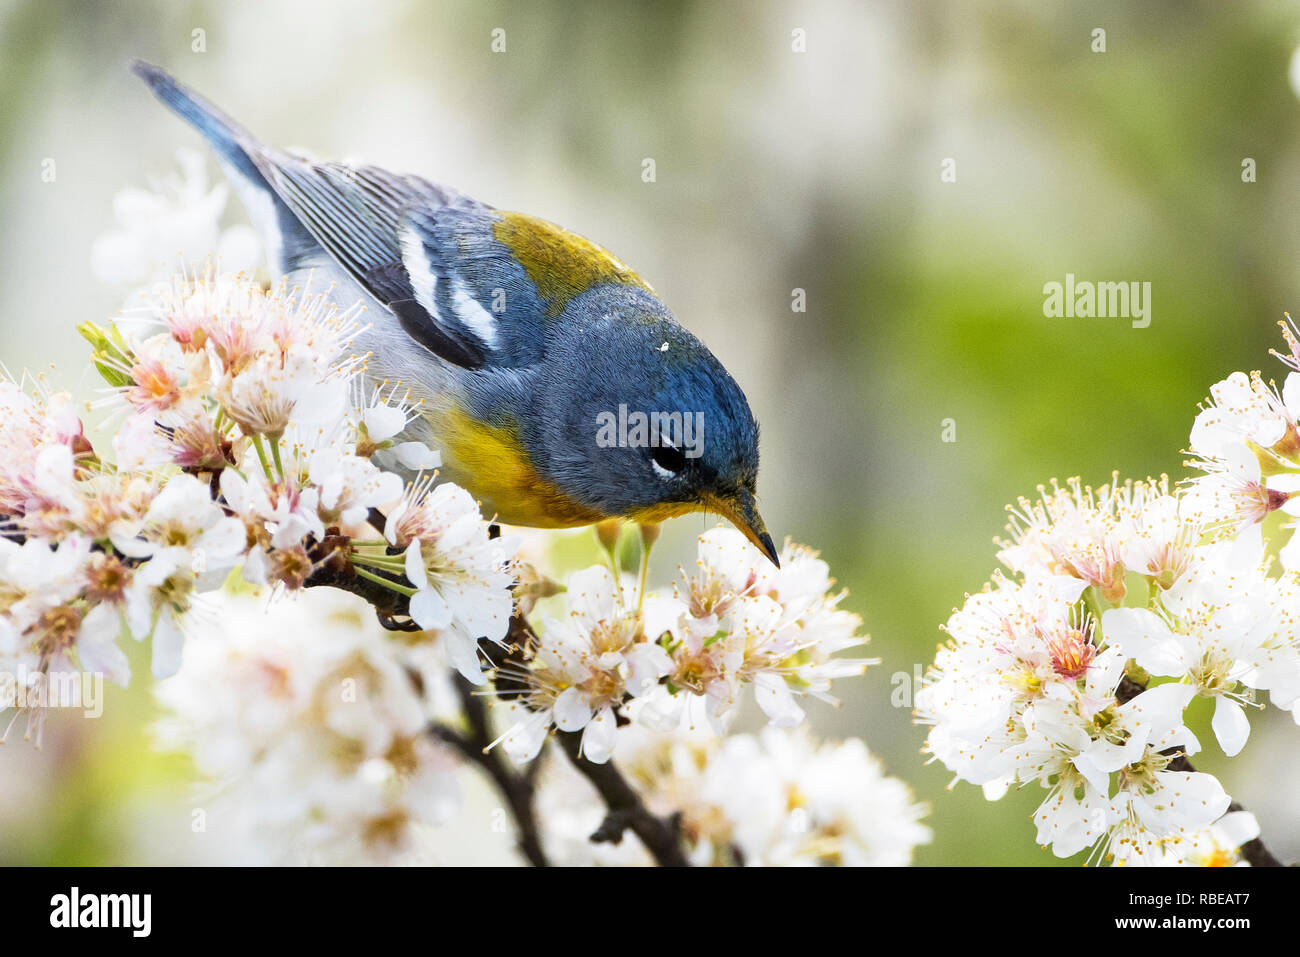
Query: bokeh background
{"points": [[776, 170]]}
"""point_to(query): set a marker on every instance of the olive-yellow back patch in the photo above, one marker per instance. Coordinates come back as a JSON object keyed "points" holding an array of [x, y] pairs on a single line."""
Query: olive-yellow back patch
{"points": [[560, 264]]}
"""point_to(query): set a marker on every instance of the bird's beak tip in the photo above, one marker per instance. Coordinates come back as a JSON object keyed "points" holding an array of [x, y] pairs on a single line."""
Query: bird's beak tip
{"points": [[743, 513]]}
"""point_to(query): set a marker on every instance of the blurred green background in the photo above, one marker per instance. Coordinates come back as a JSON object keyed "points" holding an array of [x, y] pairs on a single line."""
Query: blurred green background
{"points": [[776, 170]]}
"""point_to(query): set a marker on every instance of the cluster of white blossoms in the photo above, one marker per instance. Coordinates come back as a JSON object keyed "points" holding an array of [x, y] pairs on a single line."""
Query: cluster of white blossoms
{"points": [[312, 742], [773, 799], [246, 438], [155, 226], [1247, 444], [312, 727], [1127, 606], [736, 621]]}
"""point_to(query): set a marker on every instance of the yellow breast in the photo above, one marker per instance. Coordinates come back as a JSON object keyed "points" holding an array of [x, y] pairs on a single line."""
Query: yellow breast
{"points": [[490, 462]]}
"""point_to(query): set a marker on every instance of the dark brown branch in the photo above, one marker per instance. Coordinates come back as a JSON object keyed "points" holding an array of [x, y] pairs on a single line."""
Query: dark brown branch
{"points": [[1254, 850], [517, 788], [627, 812], [333, 569], [625, 809]]}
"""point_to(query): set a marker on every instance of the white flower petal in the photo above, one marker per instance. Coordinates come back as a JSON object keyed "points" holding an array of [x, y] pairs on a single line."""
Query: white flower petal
{"points": [[429, 610], [571, 710], [167, 644], [1231, 726], [598, 738], [463, 652], [414, 563], [383, 422], [1145, 637], [774, 697], [417, 456]]}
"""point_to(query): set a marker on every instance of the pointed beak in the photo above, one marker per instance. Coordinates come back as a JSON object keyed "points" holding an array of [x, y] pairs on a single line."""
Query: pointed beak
{"points": [[742, 511]]}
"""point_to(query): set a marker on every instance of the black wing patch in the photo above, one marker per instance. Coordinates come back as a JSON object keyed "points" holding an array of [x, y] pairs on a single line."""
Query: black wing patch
{"points": [[356, 213], [389, 282], [437, 338]]}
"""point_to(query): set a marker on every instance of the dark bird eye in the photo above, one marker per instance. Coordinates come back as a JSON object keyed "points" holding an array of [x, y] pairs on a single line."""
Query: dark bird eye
{"points": [[668, 457]]}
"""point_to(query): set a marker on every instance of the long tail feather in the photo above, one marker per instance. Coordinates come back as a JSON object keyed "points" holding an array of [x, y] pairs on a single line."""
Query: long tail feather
{"points": [[229, 139], [290, 244]]}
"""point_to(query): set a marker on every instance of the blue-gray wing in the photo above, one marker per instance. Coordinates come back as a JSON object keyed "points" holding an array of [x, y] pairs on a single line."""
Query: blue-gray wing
{"points": [[356, 214], [359, 214], [462, 273]]}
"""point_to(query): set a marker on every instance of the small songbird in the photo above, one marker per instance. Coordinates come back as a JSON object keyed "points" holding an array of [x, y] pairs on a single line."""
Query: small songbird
{"points": [[558, 388]]}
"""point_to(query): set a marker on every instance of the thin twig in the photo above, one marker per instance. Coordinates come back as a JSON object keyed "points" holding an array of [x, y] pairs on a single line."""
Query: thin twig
{"points": [[333, 569], [517, 788], [626, 810]]}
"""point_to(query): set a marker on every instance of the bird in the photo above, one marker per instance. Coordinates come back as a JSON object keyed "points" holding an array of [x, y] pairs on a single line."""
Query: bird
{"points": [[559, 389]]}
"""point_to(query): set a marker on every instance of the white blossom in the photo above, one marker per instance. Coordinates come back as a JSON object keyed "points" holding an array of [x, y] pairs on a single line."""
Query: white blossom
{"points": [[311, 738], [776, 799], [172, 226]]}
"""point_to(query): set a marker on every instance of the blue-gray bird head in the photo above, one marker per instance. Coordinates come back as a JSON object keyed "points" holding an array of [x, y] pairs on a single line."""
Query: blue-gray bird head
{"points": [[636, 417]]}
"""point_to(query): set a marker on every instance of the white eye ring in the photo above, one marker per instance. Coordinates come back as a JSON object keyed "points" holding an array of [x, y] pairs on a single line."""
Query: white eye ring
{"points": [[663, 471]]}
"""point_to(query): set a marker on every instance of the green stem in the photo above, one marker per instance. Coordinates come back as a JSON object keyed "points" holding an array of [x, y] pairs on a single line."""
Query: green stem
{"points": [[379, 580], [1094, 607], [275, 454], [644, 574], [261, 456], [393, 563]]}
